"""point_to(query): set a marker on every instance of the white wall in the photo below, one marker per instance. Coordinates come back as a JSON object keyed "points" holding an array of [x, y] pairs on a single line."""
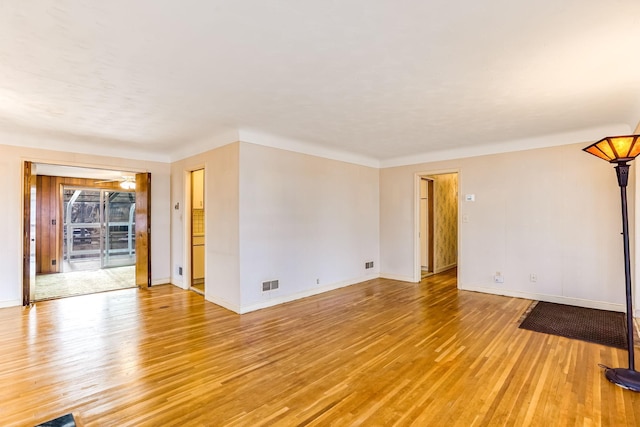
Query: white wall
{"points": [[554, 212], [11, 160], [304, 219]]}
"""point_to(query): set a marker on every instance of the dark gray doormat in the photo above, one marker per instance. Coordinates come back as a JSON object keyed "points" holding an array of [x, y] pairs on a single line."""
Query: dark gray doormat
{"points": [[63, 421], [586, 324]]}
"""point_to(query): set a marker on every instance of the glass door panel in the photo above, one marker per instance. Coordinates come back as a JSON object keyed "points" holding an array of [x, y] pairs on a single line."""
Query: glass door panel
{"points": [[119, 229], [99, 228], [82, 226]]}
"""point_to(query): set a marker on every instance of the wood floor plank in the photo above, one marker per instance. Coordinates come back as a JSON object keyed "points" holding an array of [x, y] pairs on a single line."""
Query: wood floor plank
{"points": [[380, 352]]}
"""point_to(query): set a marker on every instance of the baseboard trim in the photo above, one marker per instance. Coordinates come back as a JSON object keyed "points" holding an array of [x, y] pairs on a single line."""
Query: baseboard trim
{"points": [[445, 268], [10, 303], [397, 277], [162, 281], [305, 294], [180, 285], [601, 305], [223, 303], [179, 282]]}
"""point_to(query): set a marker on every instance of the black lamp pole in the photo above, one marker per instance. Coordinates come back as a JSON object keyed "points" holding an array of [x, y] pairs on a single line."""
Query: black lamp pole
{"points": [[620, 150], [627, 378]]}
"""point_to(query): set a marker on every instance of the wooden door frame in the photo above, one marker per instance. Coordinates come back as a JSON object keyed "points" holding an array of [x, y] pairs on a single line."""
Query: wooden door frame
{"points": [[27, 184], [428, 212], [430, 225], [143, 230]]}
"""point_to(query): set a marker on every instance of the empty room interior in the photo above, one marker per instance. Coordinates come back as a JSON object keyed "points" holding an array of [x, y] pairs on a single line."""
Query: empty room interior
{"points": [[316, 213]]}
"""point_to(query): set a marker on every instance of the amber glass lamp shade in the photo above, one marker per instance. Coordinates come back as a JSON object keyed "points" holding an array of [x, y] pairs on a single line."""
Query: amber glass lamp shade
{"points": [[616, 149]]}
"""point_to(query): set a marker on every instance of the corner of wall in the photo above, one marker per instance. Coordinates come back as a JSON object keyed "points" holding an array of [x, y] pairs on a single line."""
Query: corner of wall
{"points": [[304, 294]]}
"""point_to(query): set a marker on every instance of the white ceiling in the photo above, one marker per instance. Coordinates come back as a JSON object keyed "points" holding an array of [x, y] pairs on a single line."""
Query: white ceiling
{"points": [[385, 81]]}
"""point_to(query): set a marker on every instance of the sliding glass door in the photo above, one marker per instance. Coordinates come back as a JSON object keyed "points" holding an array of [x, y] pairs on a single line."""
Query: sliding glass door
{"points": [[99, 228], [118, 227]]}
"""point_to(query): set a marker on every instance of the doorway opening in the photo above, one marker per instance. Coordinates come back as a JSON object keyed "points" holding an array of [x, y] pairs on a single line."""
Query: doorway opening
{"points": [[436, 248], [82, 236], [197, 217], [98, 233]]}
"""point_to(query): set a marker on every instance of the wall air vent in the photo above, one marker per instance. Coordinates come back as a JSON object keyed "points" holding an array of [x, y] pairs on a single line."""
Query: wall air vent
{"points": [[368, 264], [270, 285]]}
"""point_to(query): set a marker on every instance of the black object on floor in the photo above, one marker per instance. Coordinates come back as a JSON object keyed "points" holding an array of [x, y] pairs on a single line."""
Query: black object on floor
{"points": [[63, 421], [586, 324]]}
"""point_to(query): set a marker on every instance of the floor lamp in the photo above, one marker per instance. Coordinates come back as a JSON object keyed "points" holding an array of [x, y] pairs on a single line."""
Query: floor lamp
{"points": [[619, 150]]}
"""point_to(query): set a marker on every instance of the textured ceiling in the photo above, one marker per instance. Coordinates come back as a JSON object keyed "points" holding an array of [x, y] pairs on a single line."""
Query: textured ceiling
{"points": [[381, 80]]}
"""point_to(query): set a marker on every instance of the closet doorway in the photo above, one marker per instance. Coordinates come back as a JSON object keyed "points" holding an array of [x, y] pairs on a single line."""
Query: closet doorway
{"points": [[197, 231]]}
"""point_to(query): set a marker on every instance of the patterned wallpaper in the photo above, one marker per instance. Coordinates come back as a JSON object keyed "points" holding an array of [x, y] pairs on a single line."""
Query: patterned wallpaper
{"points": [[445, 220]]}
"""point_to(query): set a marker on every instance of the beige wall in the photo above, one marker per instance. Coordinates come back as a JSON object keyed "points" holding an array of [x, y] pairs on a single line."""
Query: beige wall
{"points": [[272, 214], [221, 207], [304, 220], [276, 214], [11, 162], [554, 212]]}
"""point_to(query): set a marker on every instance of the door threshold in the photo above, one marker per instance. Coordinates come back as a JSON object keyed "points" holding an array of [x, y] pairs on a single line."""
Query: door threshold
{"points": [[197, 291]]}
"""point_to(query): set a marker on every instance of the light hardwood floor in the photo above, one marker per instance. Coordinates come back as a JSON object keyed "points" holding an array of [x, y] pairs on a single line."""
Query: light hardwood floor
{"points": [[379, 353]]}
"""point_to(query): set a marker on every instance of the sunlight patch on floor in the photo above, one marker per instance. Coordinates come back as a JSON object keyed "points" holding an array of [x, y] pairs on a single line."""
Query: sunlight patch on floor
{"points": [[59, 285]]}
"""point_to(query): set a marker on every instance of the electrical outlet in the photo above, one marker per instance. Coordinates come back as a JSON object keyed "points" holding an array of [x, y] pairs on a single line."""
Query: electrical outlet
{"points": [[533, 277], [498, 277], [317, 281]]}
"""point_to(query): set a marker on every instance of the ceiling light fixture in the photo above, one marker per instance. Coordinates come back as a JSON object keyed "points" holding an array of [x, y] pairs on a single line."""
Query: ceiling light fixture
{"points": [[128, 185]]}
